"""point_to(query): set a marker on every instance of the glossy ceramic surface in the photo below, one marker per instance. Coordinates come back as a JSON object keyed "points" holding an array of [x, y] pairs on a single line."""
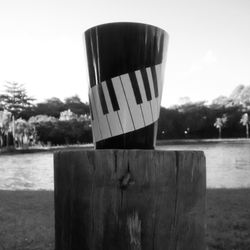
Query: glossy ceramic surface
{"points": [[126, 64]]}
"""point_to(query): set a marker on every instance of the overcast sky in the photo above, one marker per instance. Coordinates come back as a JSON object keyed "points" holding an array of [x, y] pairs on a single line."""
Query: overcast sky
{"points": [[208, 54]]}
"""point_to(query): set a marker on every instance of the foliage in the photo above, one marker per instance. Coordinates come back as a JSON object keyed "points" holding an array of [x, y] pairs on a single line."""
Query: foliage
{"points": [[191, 120], [72, 99], [59, 122], [54, 106], [239, 96], [51, 107], [245, 122], [24, 132], [196, 121], [220, 122], [41, 118], [64, 132], [5, 121], [244, 119], [221, 101], [15, 98], [5, 127], [50, 130], [76, 106]]}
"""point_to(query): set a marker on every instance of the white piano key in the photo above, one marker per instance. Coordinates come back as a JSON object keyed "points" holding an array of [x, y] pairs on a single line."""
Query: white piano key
{"points": [[124, 112], [159, 79], [134, 108], [145, 106], [103, 123], [113, 118], [154, 101], [160, 82], [95, 123]]}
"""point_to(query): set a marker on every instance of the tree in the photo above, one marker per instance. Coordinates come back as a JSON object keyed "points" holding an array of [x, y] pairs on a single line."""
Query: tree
{"points": [[76, 106], [51, 107], [72, 99], [245, 122], [41, 119], [184, 100], [15, 98], [5, 126], [54, 106], [220, 102], [24, 132], [64, 132], [219, 123]]}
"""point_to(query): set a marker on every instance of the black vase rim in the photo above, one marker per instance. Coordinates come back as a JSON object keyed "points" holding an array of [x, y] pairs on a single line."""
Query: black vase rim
{"points": [[127, 23]]}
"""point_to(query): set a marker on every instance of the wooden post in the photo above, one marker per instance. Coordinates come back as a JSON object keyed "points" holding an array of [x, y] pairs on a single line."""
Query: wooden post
{"points": [[130, 199]]}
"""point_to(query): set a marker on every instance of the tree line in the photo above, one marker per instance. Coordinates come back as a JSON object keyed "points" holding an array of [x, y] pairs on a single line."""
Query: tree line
{"points": [[56, 122], [52, 122], [200, 121]]}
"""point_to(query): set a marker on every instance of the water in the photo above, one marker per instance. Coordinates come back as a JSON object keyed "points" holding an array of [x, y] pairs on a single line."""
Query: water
{"points": [[228, 166], [227, 163], [27, 171]]}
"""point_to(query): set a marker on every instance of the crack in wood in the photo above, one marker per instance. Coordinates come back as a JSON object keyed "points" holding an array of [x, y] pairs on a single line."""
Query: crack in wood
{"points": [[174, 224], [115, 155]]}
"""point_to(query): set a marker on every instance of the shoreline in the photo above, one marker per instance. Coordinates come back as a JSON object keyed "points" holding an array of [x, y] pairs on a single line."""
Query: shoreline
{"points": [[39, 149], [196, 141]]}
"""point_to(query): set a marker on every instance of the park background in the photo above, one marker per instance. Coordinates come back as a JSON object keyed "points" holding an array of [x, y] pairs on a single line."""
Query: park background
{"points": [[44, 104], [56, 122]]}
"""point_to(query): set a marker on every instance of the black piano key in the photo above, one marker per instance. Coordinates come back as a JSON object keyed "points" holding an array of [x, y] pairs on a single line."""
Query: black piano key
{"points": [[102, 99], [135, 87], [153, 71], [112, 95], [91, 110], [146, 84]]}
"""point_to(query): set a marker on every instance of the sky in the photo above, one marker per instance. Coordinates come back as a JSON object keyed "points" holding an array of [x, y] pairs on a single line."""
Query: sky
{"points": [[41, 44]]}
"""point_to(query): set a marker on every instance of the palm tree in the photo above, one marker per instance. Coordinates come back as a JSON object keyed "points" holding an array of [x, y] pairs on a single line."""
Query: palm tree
{"points": [[245, 122], [24, 132], [15, 100], [5, 125], [219, 123]]}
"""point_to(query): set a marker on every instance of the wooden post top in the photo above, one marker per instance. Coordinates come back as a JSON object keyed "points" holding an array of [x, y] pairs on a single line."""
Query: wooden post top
{"points": [[129, 151]]}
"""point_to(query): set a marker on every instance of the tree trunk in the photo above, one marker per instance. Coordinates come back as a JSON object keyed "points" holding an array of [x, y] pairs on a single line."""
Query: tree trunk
{"points": [[247, 130], [7, 139], [219, 132], [13, 128], [1, 140]]}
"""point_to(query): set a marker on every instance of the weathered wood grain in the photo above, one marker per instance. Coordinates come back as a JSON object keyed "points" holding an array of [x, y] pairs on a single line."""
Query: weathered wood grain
{"points": [[130, 199]]}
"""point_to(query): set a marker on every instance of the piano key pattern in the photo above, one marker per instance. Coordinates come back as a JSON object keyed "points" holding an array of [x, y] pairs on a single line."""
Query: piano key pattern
{"points": [[125, 103]]}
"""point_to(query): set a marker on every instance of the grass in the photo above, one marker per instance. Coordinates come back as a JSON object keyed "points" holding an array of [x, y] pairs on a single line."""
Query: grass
{"points": [[228, 219], [27, 220]]}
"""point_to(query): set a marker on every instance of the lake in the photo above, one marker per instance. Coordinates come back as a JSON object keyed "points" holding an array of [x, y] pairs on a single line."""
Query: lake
{"points": [[228, 166]]}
